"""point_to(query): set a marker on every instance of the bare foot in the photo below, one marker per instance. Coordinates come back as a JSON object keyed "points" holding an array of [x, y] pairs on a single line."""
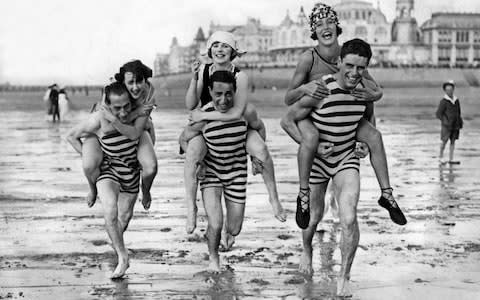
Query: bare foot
{"points": [[91, 198], [146, 200], [343, 288], [305, 265], [191, 219], [120, 269], [278, 211], [214, 265]]}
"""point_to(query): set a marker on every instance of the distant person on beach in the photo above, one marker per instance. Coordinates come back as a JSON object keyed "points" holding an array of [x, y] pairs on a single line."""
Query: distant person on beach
{"points": [[63, 103], [450, 115], [222, 49], [51, 98], [306, 89], [134, 75], [226, 163], [119, 178], [336, 118]]}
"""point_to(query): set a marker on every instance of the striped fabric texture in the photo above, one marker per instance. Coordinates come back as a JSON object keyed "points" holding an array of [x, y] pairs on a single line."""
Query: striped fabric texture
{"points": [[120, 162]]}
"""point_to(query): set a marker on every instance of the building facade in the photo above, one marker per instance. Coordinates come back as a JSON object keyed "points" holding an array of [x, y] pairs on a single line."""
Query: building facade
{"points": [[446, 39], [453, 39]]}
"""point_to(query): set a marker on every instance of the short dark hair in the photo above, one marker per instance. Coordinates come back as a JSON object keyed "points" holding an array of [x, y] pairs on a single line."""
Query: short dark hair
{"points": [[356, 46], [223, 76], [116, 88], [136, 67], [314, 36]]}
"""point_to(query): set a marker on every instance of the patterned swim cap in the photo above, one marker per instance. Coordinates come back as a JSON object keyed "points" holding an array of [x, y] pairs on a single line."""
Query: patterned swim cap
{"points": [[322, 11]]}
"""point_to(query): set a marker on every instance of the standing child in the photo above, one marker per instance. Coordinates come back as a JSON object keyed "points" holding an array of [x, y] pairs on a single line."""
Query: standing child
{"points": [[449, 113]]}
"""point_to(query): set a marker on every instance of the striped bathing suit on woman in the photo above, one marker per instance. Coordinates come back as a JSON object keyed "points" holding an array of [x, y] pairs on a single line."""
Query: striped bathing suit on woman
{"points": [[120, 162], [226, 159], [337, 119]]}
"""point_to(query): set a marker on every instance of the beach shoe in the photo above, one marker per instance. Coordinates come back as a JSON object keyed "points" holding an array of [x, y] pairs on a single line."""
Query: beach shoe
{"points": [[302, 215], [394, 210]]}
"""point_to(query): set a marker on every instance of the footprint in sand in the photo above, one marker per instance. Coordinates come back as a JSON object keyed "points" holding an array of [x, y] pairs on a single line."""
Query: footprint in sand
{"points": [[99, 242]]}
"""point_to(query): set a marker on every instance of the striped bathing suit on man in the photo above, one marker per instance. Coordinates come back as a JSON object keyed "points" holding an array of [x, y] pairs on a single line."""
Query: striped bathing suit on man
{"points": [[226, 159], [337, 119], [120, 162]]}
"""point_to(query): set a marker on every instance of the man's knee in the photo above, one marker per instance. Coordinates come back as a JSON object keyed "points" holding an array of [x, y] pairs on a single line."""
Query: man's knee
{"points": [[111, 219], [215, 225], [125, 216], [348, 220], [310, 138]]}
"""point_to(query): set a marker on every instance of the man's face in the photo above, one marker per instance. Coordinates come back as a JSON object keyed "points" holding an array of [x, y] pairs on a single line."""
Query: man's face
{"points": [[326, 31], [120, 106], [222, 95], [352, 67]]}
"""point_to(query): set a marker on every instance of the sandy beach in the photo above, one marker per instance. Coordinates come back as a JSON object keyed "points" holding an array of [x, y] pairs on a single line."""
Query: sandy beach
{"points": [[54, 247]]}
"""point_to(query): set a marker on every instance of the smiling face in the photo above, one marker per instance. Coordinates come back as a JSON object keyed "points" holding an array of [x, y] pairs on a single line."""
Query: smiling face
{"points": [[352, 67], [222, 96], [326, 30], [137, 88], [221, 52], [120, 106]]}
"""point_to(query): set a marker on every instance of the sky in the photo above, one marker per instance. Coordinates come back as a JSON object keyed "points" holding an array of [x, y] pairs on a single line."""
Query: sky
{"points": [[86, 41]]}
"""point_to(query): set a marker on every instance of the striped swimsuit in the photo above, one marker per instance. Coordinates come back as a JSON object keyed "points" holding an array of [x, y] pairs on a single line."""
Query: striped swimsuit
{"points": [[226, 159], [337, 120], [120, 162]]}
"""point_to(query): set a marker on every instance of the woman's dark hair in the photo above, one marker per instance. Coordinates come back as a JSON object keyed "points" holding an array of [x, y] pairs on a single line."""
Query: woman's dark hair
{"points": [[223, 76], [139, 70], [116, 88], [232, 56], [314, 36]]}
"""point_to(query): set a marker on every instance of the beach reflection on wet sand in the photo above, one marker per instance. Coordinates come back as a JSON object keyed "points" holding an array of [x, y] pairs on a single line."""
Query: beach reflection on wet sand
{"points": [[53, 246]]}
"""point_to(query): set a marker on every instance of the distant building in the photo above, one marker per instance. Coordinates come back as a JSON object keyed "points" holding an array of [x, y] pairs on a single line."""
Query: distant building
{"points": [[453, 38], [446, 39], [181, 57], [160, 64], [291, 38]]}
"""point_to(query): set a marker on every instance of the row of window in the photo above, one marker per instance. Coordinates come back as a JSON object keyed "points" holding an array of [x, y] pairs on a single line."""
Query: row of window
{"points": [[357, 14], [463, 36], [461, 54]]}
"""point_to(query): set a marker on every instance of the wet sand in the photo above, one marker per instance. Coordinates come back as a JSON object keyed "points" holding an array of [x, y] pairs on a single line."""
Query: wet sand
{"points": [[54, 247]]}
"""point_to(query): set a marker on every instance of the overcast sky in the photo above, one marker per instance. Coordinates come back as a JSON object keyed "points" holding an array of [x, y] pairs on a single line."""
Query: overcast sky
{"points": [[85, 41]]}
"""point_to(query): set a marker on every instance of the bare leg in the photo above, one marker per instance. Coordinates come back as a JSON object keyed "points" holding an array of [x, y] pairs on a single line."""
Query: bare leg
{"points": [[196, 151], [92, 156], [109, 192], [316, 215], [443, 143], [452, 149], [307, 136], [213, 208], [347, 192], [373, 138], [256, 147], [148, 161], [126, 202]]}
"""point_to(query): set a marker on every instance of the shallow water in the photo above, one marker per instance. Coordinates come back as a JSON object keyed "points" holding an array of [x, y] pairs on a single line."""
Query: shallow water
{"points": [[54, 246]]}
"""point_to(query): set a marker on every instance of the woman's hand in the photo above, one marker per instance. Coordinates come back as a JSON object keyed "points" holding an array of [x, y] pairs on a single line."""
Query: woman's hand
{"points": [[364, 94], [107, 114], [195, 68], [195, 116]]}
